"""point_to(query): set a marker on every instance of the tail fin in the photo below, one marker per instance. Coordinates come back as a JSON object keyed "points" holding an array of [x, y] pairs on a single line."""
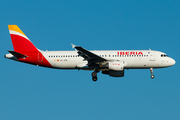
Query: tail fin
{"points": [[20, 41]]}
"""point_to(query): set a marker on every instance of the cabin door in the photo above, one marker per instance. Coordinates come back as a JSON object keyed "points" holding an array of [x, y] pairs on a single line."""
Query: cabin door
{"points": [[152, 56]]}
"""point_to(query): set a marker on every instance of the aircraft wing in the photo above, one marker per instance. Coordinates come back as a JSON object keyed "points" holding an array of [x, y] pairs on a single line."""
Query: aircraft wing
{"points": [[89, 56]]}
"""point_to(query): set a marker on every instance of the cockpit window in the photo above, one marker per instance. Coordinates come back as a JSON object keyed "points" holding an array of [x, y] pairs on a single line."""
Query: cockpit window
{"points": [[164, 55]]}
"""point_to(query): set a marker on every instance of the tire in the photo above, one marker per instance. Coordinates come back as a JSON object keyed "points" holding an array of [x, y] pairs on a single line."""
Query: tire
{"points": [[94, 79], [152, 76], [94, 74]]}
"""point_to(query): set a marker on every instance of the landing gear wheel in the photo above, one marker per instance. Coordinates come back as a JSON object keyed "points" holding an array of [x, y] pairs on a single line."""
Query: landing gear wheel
{"points": [[94, 74], [94, 79], [152, 76], [151, 70]]}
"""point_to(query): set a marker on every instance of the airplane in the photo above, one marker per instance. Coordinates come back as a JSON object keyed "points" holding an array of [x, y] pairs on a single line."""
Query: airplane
{"points": [[109, 62]]}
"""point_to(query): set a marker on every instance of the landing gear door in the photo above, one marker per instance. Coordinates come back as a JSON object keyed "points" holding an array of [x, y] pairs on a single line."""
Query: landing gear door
{"points": [[152, 56]]}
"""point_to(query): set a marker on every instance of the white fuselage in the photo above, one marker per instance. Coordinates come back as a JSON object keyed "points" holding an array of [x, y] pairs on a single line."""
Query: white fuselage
{"points": [[148, 59]]}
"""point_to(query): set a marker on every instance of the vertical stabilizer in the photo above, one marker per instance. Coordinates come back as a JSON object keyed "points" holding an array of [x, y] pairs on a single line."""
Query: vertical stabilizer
{"points": [[20, 41]]}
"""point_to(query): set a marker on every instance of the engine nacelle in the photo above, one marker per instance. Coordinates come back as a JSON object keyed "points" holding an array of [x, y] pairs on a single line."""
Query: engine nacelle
{"points": [[114, 73], [116, 66], [116, 69]]}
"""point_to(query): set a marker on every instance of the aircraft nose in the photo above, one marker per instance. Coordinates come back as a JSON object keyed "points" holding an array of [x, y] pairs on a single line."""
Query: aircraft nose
{"points": [[173, 61]]}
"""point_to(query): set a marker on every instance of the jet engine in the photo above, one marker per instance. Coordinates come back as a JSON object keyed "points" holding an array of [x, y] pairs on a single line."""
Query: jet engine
{"points": [[116, 69], [116, 66]]}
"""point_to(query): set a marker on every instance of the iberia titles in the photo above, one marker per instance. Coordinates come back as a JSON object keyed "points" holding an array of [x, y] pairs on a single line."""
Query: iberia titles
{"points": [[129, 53]]}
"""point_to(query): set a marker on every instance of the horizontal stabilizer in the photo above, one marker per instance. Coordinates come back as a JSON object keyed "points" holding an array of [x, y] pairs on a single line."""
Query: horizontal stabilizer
{"points": [[17, 55]]}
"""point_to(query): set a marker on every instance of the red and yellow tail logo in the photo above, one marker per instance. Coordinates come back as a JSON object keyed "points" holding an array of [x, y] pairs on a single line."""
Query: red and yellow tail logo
{"points": [[20, 41]]}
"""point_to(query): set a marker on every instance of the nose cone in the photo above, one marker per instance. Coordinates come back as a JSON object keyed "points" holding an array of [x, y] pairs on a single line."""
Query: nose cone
{"points": [[172, 62]]}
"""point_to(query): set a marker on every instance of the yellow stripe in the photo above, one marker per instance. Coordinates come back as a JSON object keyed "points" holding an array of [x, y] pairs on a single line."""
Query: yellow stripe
{"points": [[15, 28]]}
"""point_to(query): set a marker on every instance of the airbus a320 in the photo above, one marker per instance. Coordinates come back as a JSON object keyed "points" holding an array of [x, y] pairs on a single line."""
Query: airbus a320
{"points": [[109, 62]]}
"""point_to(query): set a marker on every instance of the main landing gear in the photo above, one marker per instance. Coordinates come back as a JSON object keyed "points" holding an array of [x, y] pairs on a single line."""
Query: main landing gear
{"points": [[151, 70], [94, 76]]}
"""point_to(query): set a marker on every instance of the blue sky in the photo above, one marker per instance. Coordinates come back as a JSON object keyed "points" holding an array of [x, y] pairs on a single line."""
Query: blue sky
{"points": [[29, 92]]}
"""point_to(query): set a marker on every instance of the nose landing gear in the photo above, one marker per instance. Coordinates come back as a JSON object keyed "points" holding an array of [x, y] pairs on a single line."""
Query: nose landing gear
{"points": [[94, 76], [151, 70]]}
